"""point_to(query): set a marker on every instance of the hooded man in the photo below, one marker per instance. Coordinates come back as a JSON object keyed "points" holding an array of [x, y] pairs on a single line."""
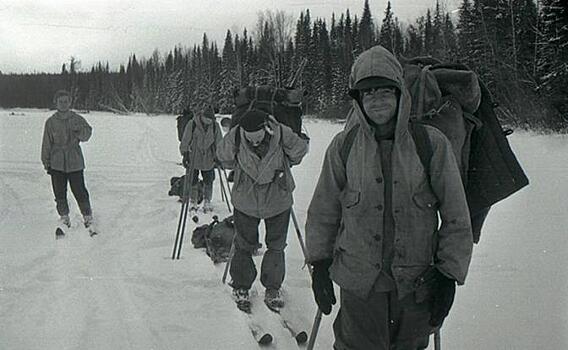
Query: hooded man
{"points": [[62, 157], [198, 147], [372, 225], [261, 151]]}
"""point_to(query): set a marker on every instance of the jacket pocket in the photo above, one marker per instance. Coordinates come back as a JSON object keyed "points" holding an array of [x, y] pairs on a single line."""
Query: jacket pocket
{"points": [[349, 199], [426, 200]]}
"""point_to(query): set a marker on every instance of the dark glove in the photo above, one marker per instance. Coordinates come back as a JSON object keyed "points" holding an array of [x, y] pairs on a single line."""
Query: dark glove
{"points": [[186, 162], [443, 290], [48, 170], [322, 285]]}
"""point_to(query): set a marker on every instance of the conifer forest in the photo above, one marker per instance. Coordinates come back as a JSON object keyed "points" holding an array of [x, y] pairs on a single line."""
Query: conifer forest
{"points": [[519, 48]]}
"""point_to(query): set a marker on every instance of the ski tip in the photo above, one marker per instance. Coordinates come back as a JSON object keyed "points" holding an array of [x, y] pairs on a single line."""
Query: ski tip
{"points": [[301, 338], [265, 339]]}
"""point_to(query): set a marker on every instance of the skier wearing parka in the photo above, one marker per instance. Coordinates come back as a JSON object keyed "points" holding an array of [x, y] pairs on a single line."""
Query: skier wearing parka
{"points": [[198, 147], [372, 225], [62, 157], [261, 151]]}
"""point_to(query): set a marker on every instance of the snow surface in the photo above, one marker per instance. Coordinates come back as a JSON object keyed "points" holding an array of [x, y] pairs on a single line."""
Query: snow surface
{"points": [[121, 290]]}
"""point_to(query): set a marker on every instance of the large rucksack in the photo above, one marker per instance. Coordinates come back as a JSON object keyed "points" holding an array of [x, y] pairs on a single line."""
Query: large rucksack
{"points": [[216, 237], [452, 99], [182, 121], [283, 103]]}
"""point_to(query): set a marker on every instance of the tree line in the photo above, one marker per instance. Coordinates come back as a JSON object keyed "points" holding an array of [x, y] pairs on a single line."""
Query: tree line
{"points": [[518, 47]]}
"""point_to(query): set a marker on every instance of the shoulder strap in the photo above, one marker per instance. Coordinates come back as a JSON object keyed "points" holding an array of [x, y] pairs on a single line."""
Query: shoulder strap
{"points": [[348, 144], [237, 141], [423, 144]]}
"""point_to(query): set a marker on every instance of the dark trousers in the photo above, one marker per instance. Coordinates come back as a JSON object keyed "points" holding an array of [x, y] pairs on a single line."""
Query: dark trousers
{"points": [[381, 322], [273, 268], [208, 178], [75, 179]]}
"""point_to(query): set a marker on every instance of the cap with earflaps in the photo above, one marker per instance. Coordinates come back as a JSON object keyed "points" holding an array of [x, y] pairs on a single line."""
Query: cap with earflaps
{"points": [[253, 120]]}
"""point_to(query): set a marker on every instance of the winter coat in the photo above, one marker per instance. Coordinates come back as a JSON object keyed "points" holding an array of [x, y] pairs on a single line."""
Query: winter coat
{"points": [[201, 143], [60, 148], [345, 220], [263, 187]]}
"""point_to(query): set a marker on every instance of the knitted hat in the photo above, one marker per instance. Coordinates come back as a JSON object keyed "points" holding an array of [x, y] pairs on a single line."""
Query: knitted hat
{"points": [[253, 120]]}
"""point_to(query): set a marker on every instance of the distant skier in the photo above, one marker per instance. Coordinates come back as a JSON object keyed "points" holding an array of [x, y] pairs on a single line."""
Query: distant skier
{"points": [[62, 157], [198, 147], [261, 151]]}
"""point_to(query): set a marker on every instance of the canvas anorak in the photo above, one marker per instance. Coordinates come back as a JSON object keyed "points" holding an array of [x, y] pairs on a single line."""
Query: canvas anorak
{"points": [[345, 218], [60, 149], [263, 186], [201, 142]]}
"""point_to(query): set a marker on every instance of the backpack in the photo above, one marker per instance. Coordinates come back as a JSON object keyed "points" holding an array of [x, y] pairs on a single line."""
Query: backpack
{"points": [[283, 103], [452, 99], [177, 184], [182, 121], [216, 238]]}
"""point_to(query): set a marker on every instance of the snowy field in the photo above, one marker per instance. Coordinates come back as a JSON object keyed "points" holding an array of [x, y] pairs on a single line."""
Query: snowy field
{"points": [[121, 290]]}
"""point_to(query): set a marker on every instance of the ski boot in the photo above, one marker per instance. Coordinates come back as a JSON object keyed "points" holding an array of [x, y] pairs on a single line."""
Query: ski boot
{"points": [[273, 299], [242, 299], [65, 221], [88, 222]]}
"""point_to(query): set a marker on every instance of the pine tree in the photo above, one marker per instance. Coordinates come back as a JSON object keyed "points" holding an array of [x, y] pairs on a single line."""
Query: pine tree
{"points": [[386, 36], [553, 57], [366, 29]]}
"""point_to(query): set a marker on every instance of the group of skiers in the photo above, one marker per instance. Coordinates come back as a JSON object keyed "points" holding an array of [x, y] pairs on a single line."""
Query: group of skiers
{"points": [[372, 225]]}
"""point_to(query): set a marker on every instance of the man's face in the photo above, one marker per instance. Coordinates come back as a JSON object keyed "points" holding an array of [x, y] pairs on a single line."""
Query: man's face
{"points": [[380, 104], [255, 137], [63, 103]]}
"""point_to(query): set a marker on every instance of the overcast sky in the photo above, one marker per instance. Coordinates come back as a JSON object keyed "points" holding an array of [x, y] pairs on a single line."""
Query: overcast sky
{"points": [[40, 35]]}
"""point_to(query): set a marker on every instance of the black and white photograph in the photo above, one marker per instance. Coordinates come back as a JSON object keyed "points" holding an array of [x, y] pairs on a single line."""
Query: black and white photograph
{"points": [[293, 174]]}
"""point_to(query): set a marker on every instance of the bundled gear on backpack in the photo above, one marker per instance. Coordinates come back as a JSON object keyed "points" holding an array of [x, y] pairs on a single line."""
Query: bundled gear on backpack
{"points": [[182, 120], [451, 98], [283, 103], [177, 184], [216, 237]]}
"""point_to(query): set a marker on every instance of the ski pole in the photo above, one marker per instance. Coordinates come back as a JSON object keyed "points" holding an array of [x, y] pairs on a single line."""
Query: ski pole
{"points": [[221, 186], [437, 340], [315, 329], [184, 211], [223, 191], [232, 251], [182, 214], [227, 180], [317, 319], [299, 234]]}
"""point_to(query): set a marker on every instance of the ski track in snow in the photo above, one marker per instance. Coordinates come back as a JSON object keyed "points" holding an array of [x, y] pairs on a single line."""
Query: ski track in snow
{"points": [[121, 290]]}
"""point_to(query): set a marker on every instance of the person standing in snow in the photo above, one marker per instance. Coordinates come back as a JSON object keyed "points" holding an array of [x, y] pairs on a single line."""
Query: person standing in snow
{"points": [[261, 151], [62, 157], [198, 147], [372, 224]]}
